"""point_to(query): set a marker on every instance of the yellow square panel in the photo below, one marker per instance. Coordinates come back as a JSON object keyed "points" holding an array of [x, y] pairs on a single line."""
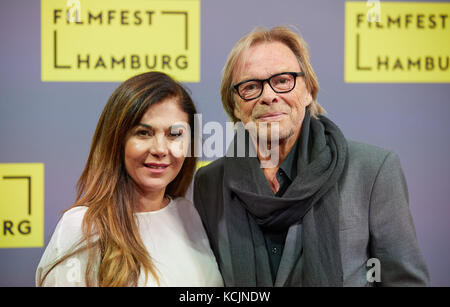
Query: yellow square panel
{"points": [[21, 205]]}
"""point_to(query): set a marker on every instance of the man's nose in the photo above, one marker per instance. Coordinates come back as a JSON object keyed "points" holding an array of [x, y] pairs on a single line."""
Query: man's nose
{"points": [[268, 95]]}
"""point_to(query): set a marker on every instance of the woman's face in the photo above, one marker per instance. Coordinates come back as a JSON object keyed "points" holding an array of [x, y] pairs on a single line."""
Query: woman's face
{"points": [[155, 149]]}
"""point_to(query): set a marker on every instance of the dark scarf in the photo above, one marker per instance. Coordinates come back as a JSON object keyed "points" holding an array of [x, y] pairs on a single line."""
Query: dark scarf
{"points": [[311, 200]]}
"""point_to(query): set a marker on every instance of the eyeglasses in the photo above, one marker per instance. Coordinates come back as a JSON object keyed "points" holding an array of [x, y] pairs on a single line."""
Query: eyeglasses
{"points": [[280, 83]]}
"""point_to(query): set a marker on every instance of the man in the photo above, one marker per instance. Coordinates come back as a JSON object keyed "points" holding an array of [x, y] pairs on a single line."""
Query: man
{"points": [[328, 211]]}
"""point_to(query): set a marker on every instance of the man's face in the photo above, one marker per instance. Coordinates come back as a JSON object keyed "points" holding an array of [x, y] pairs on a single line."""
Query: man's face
{"points": [[287, 109]]}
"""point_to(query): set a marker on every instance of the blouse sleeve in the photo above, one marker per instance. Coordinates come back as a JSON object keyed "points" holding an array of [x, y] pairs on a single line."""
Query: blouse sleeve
{"points": [[70, 272]]}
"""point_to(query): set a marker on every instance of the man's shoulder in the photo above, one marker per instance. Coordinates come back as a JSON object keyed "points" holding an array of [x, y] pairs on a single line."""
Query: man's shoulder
{"points": [[367, 160], [215, 167], [364, 165], [210, 176], [366, 153], [208, 185]]}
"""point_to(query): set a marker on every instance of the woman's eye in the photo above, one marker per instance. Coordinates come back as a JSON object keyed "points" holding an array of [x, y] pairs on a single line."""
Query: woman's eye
{"points": [[142, 133], [176, 133]]}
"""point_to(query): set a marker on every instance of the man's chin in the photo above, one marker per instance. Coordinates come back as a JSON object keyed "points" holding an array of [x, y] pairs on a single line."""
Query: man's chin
{"points": [[272, 137]]}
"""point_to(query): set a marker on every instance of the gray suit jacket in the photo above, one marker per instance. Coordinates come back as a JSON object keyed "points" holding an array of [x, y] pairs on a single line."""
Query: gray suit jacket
{"points": [[374, 217]]}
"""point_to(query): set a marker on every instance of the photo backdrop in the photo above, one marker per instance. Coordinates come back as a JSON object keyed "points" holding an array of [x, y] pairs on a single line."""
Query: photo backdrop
{"points": [[48, 115]]}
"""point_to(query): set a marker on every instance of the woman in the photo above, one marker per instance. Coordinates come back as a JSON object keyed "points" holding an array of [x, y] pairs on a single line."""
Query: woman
{"points": [[130, 224]]}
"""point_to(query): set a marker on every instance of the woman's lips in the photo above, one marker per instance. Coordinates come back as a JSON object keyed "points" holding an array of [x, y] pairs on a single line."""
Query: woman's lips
{"points": [[156, 168], [270, 116]]}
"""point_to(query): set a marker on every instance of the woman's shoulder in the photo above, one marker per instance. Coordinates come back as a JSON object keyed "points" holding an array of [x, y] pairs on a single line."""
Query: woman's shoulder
{"points": [[185, 208], [75, 213], [69, 228], [182, 203], [73, 217]]}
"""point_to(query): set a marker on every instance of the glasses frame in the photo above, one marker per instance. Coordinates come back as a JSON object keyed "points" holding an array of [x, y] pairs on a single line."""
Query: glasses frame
{"points": [[294, 74]]}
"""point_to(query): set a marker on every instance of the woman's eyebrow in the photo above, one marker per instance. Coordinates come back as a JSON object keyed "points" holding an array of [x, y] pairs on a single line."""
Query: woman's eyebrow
{"points": [[171, 128], [145, 126], [177, 126]]}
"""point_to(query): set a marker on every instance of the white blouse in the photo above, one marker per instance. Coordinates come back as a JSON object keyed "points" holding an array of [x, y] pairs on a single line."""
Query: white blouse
{"points": [[174, 237]]}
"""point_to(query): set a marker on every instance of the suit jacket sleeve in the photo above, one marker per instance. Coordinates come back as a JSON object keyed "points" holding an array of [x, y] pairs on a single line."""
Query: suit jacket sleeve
{"points": [[392, 235], [199, 199]]}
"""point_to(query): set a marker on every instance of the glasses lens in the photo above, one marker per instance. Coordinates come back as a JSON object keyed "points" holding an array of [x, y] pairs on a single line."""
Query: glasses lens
{"points": [[282, 83], [250, 89]]}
